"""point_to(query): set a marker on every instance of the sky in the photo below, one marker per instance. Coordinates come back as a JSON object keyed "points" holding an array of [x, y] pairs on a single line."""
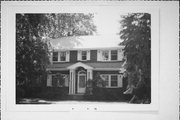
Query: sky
{"points": [[107, 23], [108, 27]]}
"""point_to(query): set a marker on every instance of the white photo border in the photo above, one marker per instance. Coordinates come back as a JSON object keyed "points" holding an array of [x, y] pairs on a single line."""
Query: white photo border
{"points": [[9, 11]]}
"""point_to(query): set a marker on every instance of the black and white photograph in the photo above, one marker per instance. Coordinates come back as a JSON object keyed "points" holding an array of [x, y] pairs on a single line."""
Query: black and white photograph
{"points": [[90, 57], [89, 60]]}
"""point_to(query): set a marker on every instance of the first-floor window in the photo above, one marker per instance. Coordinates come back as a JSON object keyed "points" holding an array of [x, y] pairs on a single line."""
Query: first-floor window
{"points": [[106, 79], [114, 80], [61, 80], [111, 80]]}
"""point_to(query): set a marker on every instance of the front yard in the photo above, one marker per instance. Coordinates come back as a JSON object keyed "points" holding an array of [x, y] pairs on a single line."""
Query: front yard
{"points": [[54, 95]]}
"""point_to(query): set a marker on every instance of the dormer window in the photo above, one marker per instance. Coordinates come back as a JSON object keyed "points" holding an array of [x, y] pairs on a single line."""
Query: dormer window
{"points": [[62, 56]]}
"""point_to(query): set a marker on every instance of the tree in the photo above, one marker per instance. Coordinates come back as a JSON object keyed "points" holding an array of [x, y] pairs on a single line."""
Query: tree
{"points": [[67, 24], [136, 36], [32, 51]]}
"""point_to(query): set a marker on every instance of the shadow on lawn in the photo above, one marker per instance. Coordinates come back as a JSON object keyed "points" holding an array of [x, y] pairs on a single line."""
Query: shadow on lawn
{"points": [[55, 95]]}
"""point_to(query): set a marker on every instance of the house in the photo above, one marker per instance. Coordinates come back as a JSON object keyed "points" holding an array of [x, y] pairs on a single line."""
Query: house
{"points": [[78, 65]]}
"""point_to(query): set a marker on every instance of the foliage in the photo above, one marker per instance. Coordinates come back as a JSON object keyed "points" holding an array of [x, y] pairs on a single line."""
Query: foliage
{"points": [[32, 51], [98, 81], [89, 87], [136, 36], [59, 80], [67, 24]]}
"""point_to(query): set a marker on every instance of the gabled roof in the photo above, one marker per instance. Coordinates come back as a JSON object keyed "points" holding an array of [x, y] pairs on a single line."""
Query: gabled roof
{"points": [[83, 42], [79, 64]]}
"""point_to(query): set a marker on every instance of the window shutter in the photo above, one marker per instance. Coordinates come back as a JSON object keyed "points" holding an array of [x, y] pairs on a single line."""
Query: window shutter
{"points": [[51, 58], [120, 55], [99, 52], [79, 55], [59, 55], [88, 55], [49, 80], [67, 56], [120, 82]]}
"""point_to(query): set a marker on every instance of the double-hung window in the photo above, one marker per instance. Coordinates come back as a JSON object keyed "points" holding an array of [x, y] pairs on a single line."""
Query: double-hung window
{"points": [[105, 55], [55, 56], [114, 55], [62, 56], [84, 55], [112, 80], [105, 77], [109, 55]]}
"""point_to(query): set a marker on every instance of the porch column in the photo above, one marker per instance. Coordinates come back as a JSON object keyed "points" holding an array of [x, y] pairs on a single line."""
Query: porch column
{"points": [[49, 80], [89, 74], [72, 82]]}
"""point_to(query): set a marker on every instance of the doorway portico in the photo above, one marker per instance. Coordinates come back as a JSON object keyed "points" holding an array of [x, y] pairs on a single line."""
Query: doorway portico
{"points": [[79, 74]]}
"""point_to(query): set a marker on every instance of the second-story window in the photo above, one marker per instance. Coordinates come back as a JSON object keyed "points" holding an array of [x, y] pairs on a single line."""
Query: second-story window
{"points": [[84, 55], [105, 55], [62, 56], [114, 55], [109, 55], [55, 56]]}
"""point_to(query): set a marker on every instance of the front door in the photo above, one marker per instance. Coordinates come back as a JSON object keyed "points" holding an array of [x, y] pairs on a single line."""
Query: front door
{"points": [[81, 87]]}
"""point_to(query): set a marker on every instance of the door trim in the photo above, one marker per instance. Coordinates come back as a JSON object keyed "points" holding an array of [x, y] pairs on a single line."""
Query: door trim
{"points": [[78, 89]]}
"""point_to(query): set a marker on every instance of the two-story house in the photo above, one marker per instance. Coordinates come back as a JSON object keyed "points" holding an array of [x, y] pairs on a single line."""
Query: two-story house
{"points": [[77, 65]]}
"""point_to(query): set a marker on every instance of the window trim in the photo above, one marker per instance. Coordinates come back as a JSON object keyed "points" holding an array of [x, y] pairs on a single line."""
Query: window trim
{"points": [[59, 56], [111, 55], [100, 55], [79, 55], [108, 51], [64, 75], [109, 80], [53, 56]]}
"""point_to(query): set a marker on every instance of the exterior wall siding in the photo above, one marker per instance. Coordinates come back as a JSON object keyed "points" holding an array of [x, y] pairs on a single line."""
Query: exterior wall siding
{"points": [[93, 56], [104, 72], [73, 56], [62, 72]]}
